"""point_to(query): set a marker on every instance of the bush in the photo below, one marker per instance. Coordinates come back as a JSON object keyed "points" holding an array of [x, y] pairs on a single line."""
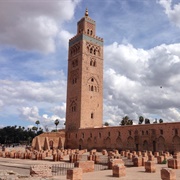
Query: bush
{"points": [[164, 161]]}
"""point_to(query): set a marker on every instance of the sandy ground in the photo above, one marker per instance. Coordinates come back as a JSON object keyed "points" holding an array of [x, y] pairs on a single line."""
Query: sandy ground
{"points": [[132, 173]]}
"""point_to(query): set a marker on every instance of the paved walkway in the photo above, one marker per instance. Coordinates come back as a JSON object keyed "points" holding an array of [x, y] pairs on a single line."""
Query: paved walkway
{"points": [[132, 173]]}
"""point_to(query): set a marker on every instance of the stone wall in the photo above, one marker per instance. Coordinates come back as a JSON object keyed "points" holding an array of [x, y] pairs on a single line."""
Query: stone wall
{"points": [[151, 137]]}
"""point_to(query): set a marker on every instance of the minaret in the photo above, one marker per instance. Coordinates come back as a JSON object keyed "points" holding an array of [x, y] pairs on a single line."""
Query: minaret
{"points": [[84, 104]]}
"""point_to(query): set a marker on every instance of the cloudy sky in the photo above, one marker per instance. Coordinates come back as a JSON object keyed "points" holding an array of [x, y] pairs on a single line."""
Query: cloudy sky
{"points": [[141, 58]]}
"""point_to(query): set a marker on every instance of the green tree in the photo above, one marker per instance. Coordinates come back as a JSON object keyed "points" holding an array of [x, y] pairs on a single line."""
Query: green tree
{"points": [[155, 121], [34, 128], [141, 119], [126, 121], [160, 120], [147, 121], [56, 122], [37, 123], [106, 124]]}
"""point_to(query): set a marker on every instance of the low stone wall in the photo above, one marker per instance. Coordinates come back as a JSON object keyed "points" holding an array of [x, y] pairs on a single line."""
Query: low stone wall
{"points": [[41, 170], [87, 166]]}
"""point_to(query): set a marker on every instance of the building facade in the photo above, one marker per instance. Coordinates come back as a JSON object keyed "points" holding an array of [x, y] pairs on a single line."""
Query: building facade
{"points": [[85, 77], [84, 110]]}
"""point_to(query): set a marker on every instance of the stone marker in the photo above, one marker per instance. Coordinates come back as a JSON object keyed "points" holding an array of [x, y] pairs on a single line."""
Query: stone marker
{"points": [[168, 174], [74, 174], [174, 163], [119, 170], [87, 166], [41, 170], [150, 167]]}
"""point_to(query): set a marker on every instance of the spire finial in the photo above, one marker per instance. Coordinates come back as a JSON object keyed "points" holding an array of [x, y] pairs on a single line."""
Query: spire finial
{"points": [[86, 13]]}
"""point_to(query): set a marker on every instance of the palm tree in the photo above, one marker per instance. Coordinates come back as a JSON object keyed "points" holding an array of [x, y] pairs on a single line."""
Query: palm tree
{"points": [[147, 121], [56, 122], [34, 128], [126, 121], [141, 119], [106, 124], [37, 123], [160, 120]]}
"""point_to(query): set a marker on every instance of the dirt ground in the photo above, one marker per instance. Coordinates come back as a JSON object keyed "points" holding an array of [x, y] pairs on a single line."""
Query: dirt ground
{"points": [[132, 173]]}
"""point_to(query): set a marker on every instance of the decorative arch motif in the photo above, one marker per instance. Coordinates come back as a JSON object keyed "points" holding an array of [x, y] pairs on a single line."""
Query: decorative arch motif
{"points": [[75, 62], [93, 84], [74, 76], [176, 143], [81, 143], [130, 143], [108, 142], [75, 49], [93, 62], [89, 143], [93, 49], [73, 107], [51, 143], [145, 145], [119, 143], [161, 144]]}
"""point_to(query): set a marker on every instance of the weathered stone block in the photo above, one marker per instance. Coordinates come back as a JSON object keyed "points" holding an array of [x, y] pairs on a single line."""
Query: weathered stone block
{"points": [[137, 161], [144, 159], [156, 154], [122, 153], [150, 157], [139, 153], [168, 174], [150, 167], [87, 166], [130, 155], [104, 152], [119, 170], [113, 162], [74, 174], [41, 170], [176, 155], [174, 163], [160, 159]]}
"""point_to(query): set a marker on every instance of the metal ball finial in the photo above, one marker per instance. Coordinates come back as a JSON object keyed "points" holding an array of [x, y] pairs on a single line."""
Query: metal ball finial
{"points": [[86, 13]]}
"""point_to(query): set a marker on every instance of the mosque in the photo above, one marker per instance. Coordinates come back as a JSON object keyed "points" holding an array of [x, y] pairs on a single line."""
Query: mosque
{"points": [[84, 106]]}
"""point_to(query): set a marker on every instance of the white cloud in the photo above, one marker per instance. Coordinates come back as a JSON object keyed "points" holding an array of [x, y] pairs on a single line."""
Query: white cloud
{"points": [[133, 79], [64, 37], [32, 114], [33, 25], [172, 11]]}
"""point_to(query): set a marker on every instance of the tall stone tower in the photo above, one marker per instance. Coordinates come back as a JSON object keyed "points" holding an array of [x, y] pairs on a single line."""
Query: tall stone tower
{"points": [[84, 104]]}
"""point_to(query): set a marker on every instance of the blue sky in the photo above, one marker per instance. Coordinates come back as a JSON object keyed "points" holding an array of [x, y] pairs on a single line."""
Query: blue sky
{"points": [[141, 54]]}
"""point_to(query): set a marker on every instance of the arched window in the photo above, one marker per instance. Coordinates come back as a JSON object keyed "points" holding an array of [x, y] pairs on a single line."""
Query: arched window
{"points": [[91, 50], [92, 115], [76, 62], [94, 63], [92, 80], [88, 31], [95, 89], [73, 64], [91, 32], [91, 63], [92, 89], [94, 52]]}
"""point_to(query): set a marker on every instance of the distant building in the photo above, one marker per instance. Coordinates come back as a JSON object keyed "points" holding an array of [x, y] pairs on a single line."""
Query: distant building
{"points": [[84, 110]]}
